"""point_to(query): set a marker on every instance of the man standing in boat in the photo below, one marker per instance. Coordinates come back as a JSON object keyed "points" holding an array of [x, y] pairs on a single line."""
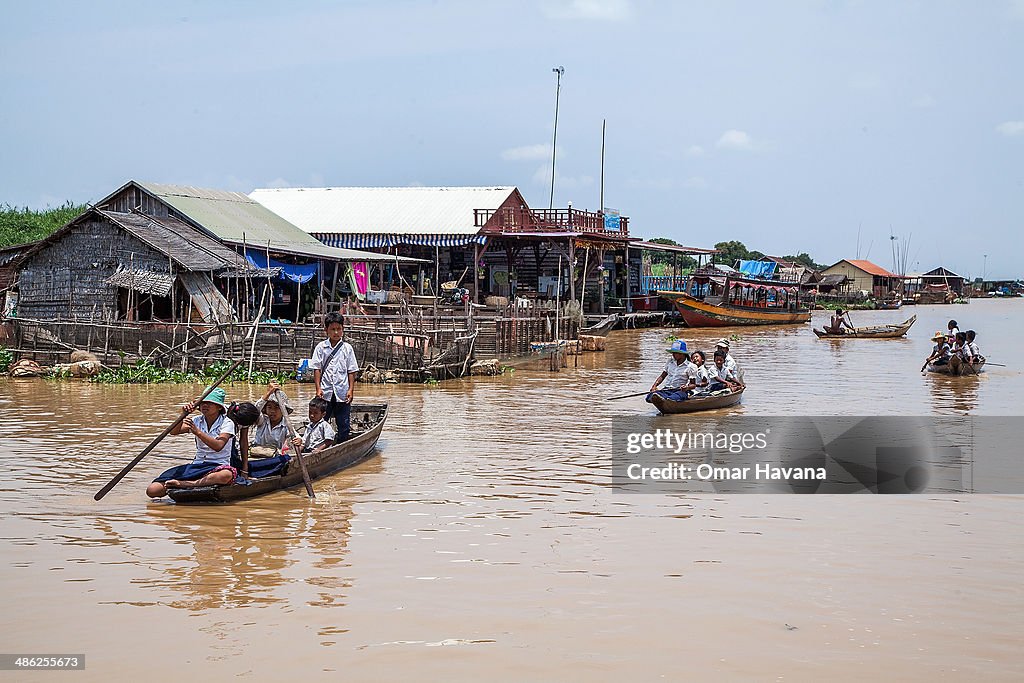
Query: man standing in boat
{"points": [[334, 374]]}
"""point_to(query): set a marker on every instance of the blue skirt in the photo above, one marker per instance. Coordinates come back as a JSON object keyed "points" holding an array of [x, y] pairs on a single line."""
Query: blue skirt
{"points": [[191, 471], [670, 394]]}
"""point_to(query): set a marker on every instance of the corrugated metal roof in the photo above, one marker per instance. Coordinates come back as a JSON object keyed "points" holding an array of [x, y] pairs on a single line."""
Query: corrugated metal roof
{"points": [[868, 267], [383, 210]]}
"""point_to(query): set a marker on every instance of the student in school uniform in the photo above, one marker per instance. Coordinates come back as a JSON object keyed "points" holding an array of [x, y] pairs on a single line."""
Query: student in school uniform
{"points": [[319, 433], [271, 432], [334, 373], [724, 377], [940, 351], [678, 377]]}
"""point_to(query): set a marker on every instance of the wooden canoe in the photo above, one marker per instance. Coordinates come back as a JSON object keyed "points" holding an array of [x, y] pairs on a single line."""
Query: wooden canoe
{"points": [[602, 328], [877, 332], [706, 313], [955, 366], [367, 423], [692, 405]]}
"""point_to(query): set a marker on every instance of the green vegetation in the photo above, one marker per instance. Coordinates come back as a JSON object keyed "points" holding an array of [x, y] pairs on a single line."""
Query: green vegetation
{"points": [[665, 258], [730, 252], [144, 372], [6, 359], [18, 226]]}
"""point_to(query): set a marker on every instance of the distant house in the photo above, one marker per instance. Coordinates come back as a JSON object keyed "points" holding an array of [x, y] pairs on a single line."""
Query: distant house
{"points": [[487, 238], [108, 265], [865, 276], [941, 277]]}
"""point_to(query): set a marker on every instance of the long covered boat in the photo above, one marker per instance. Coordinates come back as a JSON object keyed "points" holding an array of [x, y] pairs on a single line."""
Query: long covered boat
{"points": [[724, 300], [875, 332], [367, 423], [693, 405]]}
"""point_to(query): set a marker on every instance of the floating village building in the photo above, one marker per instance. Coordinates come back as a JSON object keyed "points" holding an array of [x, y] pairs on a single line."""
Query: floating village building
{"points": [[865, 276]]}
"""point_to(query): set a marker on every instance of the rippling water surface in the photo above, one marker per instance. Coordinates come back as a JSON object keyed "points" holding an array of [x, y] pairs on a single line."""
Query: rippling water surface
{"points": [[483, 542]]}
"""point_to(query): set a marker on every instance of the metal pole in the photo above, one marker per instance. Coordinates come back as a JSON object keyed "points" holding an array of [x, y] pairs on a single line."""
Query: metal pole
{"points": [[600, 206], [554, 138]]}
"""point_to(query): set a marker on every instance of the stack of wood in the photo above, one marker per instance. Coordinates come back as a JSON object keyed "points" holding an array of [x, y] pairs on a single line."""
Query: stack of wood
{"points": [[592, 343], [486, 367]]}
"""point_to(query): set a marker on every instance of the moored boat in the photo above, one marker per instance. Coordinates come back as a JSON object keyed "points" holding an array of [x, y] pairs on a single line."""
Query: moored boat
{"points": [[724, 300], [874, 332], [602, 328], [367, 423], [955, 366], [693, 405]]}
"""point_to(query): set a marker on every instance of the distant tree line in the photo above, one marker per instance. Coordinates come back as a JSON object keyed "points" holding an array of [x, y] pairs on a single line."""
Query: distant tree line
{"points": [[18, 226], [729, 253]]}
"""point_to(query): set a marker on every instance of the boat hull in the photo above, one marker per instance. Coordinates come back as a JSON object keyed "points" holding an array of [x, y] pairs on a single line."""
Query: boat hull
{"points": [[697, 313], [877, 332], [694, 405], [328, 461], [957, 368]]}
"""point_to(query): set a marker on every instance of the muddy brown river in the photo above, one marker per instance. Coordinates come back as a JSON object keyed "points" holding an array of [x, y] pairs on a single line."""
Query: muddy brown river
{"points": [[483, 541]]}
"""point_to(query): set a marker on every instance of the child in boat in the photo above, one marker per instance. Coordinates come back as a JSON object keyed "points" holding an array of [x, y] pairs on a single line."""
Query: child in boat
{"points": [[334, 373], [724, 377], [319, 433], [214, 433], [972, 347], [704, 374], [953, 331], [941, 350], [271, 430], [679, 375]]}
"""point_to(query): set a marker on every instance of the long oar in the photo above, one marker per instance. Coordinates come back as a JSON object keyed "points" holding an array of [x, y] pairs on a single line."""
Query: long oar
{"points": [[279, 397], [130, 466], [616, 398]]}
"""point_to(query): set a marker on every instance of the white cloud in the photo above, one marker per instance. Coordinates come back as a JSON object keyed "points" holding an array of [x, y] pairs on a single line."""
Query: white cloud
{"points": [[1011, 129], [277, 183], [735, 139], [695, 183], [602, 10], [695, 151], [924, 101], [528, 153], [542, 176]]}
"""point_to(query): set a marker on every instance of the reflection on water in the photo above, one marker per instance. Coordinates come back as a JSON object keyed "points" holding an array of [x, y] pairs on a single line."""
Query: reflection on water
{"points": [[487, 524]]}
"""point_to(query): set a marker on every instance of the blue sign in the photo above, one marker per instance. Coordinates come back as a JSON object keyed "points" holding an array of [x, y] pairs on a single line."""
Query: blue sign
{"points": [[611, 220]]}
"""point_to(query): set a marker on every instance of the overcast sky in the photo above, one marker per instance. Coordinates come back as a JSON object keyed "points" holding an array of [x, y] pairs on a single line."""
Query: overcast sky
{"points": [[786, 125]]}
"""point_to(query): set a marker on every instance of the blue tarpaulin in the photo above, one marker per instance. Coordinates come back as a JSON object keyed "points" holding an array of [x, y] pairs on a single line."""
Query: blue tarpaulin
{"points": [[300, 274], [765, 269]]}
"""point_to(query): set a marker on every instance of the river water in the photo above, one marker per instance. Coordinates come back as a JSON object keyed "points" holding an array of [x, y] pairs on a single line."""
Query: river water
{"points": [[483, 541]]}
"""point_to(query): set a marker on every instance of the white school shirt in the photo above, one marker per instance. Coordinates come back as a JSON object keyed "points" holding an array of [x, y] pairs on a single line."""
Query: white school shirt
{"points": [[268, 435], [317, 433], [974, 349], [675, 374], [723, 373], [334, 379], [704, 376], [222, 425]]}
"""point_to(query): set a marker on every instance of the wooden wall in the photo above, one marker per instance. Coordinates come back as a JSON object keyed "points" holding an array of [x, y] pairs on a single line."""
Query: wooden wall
{"points": [[66, 279]]}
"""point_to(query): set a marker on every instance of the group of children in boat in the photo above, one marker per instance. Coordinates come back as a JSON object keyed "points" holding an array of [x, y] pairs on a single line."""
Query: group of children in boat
{"points": [[687, 375], [217, 458], [954, 346]]}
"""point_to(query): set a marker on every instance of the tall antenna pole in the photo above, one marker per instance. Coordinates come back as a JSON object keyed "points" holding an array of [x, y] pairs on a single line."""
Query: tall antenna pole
{"points": [[554, 137], [600, 206]]}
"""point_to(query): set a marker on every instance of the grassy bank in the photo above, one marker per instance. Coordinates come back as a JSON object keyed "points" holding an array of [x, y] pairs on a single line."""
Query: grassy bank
{"points": [[144, 372], [18, 226]]}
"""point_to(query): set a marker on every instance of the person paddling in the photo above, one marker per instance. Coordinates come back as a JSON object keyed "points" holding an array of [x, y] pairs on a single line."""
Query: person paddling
{"points": [[214, 433], [940, 352], [679, 375], [839, 321]]}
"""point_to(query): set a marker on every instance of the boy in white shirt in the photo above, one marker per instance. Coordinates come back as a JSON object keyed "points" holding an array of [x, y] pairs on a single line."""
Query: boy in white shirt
{"points": [[334, 373], [679, 375], [319, 434]]}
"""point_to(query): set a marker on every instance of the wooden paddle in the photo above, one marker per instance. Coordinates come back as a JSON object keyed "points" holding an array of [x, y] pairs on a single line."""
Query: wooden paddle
{"points": [[616, 398], [145, 451], [279, 397]]}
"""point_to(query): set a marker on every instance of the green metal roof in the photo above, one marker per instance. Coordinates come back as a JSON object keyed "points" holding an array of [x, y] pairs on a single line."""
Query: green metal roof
{"points": [[235, 218]]}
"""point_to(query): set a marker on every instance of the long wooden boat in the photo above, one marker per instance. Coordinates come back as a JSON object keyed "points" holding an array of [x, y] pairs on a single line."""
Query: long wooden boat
{"points": [[716, 299], [692, 405], [367, 423], [955, 366], [876, 332], [602, 328]]}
